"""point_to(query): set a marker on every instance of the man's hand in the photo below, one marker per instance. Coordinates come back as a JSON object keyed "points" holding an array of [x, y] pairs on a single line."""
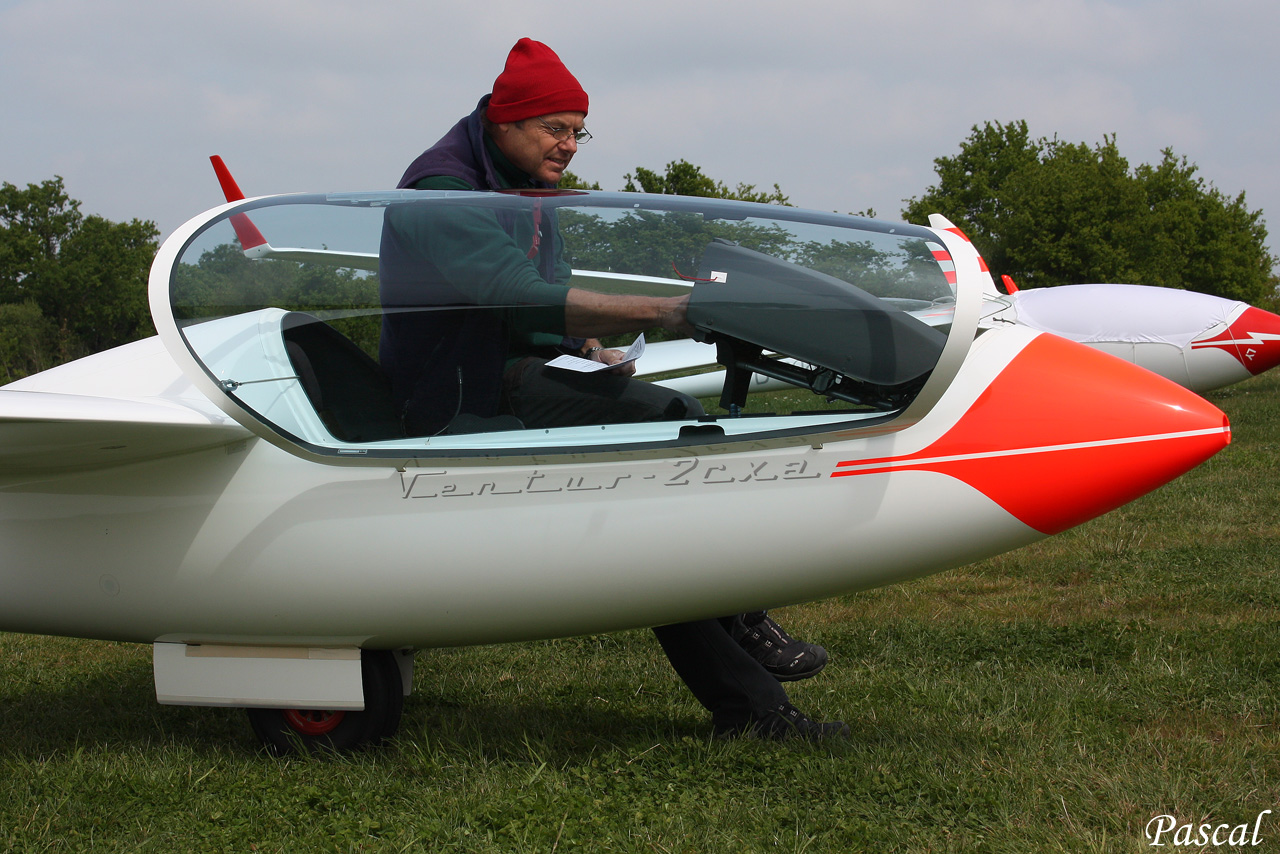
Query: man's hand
{"points": [[612, 357], [676, 316]]}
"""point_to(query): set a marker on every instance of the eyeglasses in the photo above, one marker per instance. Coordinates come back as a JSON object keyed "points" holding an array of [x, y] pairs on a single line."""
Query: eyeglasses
{"points": [[563, 134]]}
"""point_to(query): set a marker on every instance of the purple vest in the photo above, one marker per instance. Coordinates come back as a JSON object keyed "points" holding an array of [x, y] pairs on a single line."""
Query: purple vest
{"points": [[460, 153]]}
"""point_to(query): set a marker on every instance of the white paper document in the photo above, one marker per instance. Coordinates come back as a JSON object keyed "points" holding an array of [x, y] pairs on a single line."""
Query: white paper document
{"points": [[586, 366]]}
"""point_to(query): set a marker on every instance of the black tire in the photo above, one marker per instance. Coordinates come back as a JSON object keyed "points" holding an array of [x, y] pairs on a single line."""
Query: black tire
{"points": [[287, 731], [393, 699]]}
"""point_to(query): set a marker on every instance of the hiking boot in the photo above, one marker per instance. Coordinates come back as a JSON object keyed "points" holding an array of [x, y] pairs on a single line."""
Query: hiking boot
{"points": [[784, 723], [786, 658]]}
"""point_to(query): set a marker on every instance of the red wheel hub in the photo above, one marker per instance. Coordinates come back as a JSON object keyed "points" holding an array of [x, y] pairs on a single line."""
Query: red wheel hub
{"points": [[313, 721]]}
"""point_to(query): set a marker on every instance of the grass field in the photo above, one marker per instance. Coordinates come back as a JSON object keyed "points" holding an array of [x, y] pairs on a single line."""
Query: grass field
{"points": [[1054, 699]]}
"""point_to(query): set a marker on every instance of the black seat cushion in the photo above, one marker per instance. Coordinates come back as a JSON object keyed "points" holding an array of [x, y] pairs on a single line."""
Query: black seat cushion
{"points": [[345, 385]]}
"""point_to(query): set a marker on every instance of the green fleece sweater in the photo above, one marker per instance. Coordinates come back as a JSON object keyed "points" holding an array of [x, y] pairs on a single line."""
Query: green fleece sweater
{"points": [[475, 237]]}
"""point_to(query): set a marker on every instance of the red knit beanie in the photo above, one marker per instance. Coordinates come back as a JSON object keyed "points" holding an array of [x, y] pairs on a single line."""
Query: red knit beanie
{"points": [[534, 83]]}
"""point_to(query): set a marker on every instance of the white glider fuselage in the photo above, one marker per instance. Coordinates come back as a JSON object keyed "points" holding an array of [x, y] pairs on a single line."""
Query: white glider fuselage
{"points": [[194, 488], [246, 543]]}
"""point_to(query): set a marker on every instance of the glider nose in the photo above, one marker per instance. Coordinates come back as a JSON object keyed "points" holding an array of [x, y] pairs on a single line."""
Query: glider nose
{"points": [[1253, 339], [1257, 338], [1065, 433], [1095, 432]]}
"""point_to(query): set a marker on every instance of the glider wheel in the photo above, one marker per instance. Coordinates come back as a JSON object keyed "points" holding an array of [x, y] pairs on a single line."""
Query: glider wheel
{"points": [[288, 731]]}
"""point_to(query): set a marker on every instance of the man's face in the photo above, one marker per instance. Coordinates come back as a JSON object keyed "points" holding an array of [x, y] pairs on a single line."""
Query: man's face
{"points": [[533, 149]]}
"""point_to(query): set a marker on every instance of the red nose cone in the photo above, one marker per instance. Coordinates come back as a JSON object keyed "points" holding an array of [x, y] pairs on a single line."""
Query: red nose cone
{"points": [[1066, 433], [1254, 339]]}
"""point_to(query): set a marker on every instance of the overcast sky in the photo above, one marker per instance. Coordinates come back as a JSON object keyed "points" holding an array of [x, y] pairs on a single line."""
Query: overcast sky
{"points": [[845, 105]]}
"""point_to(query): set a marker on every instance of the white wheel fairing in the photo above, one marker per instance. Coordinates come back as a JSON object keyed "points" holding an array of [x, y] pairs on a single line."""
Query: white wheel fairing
{"points": [[318, 731]]}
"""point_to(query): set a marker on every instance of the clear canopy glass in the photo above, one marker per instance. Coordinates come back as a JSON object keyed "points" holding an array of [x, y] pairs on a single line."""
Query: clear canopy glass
{"points": [[390, 324]]}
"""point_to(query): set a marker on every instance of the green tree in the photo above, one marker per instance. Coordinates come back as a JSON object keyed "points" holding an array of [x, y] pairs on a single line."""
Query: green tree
{"points": [[101, 297], [33, 225], [657, 243], [224, 282], [28, 341], [1049, 212], [70, 284], [570, 181], [682, 178], [651, 242]]}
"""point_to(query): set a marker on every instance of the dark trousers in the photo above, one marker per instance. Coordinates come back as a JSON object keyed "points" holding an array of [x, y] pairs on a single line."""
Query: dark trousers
{"points": [[726, 680], [551, 397]]}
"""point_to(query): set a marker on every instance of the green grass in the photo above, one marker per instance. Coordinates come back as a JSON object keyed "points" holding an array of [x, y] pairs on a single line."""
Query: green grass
{"points": [[1053, 699]]}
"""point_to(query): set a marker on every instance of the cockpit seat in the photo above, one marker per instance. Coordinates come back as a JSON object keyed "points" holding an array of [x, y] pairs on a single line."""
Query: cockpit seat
{"points": [[346, 386]]}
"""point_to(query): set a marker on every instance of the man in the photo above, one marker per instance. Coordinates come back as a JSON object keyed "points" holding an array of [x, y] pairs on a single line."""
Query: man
{"points": [[485, 362], [457, 370]]}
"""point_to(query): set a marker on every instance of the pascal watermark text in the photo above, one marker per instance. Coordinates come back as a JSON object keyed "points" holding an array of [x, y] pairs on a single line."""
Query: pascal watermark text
{"points": [[1166, 830]]}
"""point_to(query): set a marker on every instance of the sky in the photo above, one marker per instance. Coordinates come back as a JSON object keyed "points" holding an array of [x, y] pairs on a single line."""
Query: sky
{"points": [[844, 105]]}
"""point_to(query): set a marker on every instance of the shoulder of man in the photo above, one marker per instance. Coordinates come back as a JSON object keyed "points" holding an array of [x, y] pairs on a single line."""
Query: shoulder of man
{"points": [[459, 154], [441, 182]]}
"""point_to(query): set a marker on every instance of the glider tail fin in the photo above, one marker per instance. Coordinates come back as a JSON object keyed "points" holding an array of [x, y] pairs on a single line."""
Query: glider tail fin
{"points": [[230, 188], [246, 232]]}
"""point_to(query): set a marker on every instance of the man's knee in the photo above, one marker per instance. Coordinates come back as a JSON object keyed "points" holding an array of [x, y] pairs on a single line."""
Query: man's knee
{"points": [[651, 402], [682, 406]]}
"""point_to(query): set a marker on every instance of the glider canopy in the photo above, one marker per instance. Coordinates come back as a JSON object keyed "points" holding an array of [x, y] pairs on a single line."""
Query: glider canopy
{"points": [[275, 308]]}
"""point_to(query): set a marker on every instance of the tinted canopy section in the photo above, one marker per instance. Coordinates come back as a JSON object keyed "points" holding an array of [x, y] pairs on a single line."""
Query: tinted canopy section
{"points": [[858, 348], [420, 324]]}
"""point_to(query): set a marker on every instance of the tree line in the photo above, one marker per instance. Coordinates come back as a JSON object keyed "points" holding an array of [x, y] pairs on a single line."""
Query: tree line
{"points": [[1044, 211], [1048, 212], [70, 284]]}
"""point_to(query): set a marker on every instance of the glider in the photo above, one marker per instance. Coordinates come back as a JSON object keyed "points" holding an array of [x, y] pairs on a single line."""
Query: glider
{"points": [[1199, 341], [239, 492]]}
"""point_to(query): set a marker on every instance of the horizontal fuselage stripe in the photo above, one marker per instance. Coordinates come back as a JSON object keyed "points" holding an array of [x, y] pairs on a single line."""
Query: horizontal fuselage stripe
{"points": [[851, 467]]}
